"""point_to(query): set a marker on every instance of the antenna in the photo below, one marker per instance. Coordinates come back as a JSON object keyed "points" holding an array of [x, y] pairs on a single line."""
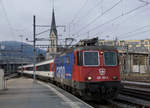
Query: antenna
{"points": [[53, 4]]}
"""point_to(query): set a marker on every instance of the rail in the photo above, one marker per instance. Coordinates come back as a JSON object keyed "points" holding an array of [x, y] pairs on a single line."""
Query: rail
{"points": [[136, 83], [134, 97], [137, 93], [10, 76]]}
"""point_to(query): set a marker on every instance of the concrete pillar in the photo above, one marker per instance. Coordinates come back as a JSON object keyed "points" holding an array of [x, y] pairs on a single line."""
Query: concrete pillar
{"points": [[131, 63], [2, 85]]}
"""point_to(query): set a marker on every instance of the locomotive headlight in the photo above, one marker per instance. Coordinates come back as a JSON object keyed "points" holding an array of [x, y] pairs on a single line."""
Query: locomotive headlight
{"points": [[101, 52], [115, 77], [89, 78]]}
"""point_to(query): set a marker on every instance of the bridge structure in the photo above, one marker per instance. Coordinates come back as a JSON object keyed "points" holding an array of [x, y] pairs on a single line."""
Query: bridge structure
{"points": [[10, 63]]}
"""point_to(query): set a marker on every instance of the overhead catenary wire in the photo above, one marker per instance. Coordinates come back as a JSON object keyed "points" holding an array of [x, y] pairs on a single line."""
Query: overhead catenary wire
{"points": [[108, 10], [113, 19], [144, 1], [76, 15], [88, 12], [7, 19], [129, 18], [130, 32], [135, 34]]}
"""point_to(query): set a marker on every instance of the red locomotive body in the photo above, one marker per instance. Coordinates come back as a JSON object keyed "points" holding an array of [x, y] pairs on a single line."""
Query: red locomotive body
{"points": [[96, 71]]}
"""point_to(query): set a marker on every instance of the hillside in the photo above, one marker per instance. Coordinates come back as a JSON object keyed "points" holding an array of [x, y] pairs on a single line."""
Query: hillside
{"points": [[14, 49]]}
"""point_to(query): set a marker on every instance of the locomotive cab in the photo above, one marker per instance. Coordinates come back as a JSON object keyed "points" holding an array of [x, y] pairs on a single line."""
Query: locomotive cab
{"points": [[94, 65], [96, 70]]}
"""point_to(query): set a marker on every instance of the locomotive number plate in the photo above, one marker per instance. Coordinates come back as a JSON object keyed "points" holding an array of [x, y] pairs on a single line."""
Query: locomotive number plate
{"points": [[102, 77]]}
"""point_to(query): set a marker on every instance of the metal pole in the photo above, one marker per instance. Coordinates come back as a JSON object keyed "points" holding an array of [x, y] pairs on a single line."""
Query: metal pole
{"points": [[127, 60], [22, 61], [34, 51], [148, 62], [69, 29], [115, 44], [21, 36]]}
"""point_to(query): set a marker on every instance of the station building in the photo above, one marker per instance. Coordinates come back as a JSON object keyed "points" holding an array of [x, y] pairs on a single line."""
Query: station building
{"points": [[134, 55], [132, 44]]}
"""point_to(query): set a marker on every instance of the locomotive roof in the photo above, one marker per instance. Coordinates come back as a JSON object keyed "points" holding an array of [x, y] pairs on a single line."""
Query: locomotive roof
{"points": [[79, 48], [102, 47]]}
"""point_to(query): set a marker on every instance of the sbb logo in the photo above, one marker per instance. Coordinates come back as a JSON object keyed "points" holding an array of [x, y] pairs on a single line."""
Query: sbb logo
{"points": [[102, 71]]}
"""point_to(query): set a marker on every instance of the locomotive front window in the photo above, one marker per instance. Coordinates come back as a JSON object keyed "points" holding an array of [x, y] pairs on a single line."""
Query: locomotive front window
{"points": [[91, 58], [110, 58]]}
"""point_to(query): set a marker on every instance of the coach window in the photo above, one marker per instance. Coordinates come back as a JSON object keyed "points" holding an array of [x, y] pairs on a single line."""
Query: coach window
{"points": [[79, 58], [30, 68], [38, 68], [74, 59], [56, 61], [47, 67], [62, 61], [67, 60]]}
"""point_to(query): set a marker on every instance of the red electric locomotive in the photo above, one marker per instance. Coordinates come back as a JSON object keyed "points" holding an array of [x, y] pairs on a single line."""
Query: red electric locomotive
{"points": [[93, 72], [96, 72]]}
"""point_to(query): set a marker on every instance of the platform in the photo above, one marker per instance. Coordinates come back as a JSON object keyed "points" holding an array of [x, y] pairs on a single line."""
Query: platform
{"points": [[25, 93]]}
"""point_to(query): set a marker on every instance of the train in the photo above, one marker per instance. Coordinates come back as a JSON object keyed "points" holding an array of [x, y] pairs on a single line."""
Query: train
{"points": [[43, 70], [92, 72]]}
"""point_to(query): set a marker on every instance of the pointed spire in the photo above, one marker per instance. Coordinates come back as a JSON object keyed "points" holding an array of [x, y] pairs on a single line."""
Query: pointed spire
{"points": [[53, 24], [53, 4]]}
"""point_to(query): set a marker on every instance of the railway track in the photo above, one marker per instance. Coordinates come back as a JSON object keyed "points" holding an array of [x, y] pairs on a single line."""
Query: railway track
{"points": [[9, 76], [128, 98], [137, 93], [137, 98]]}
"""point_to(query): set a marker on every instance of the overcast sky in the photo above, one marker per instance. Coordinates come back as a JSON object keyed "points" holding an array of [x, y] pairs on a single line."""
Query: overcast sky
{"points": [[87, 18]]}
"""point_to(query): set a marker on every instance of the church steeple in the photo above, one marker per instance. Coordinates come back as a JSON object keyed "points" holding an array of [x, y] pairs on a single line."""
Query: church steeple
{"points": [[52, 51], [53, 24]]}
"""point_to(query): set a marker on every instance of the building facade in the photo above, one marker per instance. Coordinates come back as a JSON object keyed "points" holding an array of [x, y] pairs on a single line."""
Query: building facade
{"points": [[134, 62], [134, 45], [134, 54]]}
